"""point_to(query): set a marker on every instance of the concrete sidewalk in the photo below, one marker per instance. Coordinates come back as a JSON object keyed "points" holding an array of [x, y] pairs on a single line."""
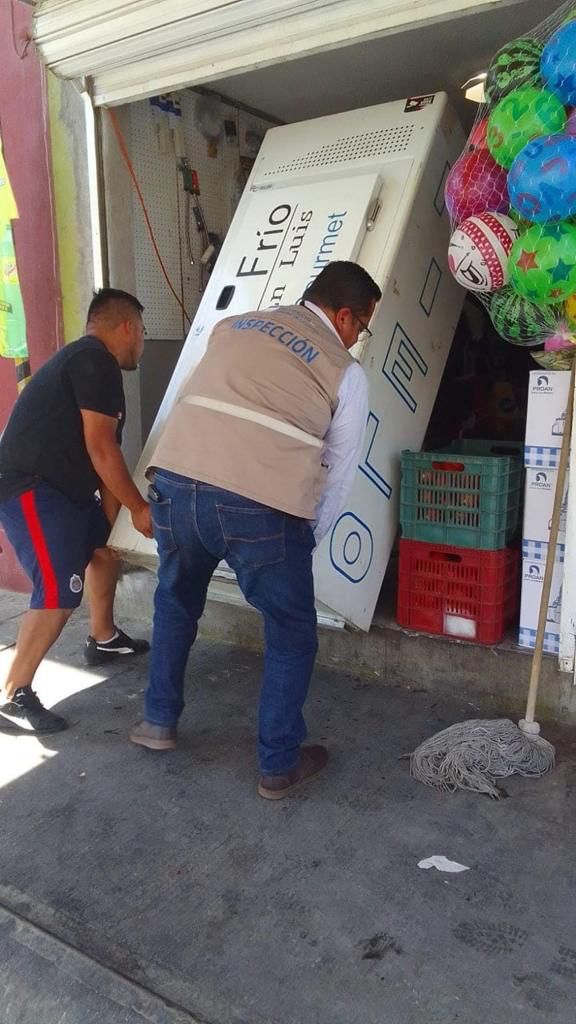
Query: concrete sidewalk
{"points": [[186, 895], [44, 979]]}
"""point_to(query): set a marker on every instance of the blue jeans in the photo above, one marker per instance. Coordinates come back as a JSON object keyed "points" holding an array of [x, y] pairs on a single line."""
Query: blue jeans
{"points": [[195, 526]]}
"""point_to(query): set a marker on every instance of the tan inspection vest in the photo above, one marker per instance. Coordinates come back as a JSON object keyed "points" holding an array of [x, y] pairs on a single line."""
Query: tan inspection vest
{"points": [[252, 416]]}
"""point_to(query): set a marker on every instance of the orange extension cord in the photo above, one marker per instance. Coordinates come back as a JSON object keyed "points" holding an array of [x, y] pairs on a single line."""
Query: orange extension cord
{"points": [[131, 172]]}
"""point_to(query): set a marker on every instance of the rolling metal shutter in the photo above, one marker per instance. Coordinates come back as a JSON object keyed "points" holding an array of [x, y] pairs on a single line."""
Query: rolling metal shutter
{"points": [[140, 48]]}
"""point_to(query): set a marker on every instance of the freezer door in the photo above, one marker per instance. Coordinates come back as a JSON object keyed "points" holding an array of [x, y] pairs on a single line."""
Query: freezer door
{"points": [[280, 239]]}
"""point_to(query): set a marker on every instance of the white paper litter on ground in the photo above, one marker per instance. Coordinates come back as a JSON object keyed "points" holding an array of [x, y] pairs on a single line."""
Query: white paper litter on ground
{"points": [[442, 863]]}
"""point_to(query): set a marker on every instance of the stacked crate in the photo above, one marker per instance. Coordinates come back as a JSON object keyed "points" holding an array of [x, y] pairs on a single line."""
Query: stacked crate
{"points": [[459, 512]]}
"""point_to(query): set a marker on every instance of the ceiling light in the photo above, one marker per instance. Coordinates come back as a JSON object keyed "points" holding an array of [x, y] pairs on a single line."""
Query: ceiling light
{"points": [[474, 88]]}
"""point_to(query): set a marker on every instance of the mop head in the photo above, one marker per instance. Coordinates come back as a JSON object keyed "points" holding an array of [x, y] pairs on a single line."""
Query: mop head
{"points": [[473, 754]]}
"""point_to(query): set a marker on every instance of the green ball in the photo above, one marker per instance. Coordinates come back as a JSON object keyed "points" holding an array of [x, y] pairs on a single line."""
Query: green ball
{"points": [[515, 65], [522, 115], [542, 263], [519, 220], [520, 321]]}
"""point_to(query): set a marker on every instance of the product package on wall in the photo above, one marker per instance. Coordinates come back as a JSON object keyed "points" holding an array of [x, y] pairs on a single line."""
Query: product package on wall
{"points": [[539, 505], [533, 568], [366, 185], [547, 400]]}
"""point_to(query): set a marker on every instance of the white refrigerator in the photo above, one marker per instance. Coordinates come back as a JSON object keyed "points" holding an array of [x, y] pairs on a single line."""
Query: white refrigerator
{"points": [[365, 185]]}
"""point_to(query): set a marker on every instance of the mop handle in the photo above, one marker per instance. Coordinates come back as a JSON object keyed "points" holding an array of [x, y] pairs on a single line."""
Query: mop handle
{"points": [[550, 555]]}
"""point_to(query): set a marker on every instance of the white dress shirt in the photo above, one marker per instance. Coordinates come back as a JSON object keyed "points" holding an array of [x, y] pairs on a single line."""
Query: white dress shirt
{"points": [[343, 441]]}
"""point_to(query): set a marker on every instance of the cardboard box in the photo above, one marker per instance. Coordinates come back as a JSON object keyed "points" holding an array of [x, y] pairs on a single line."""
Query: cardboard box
{"points": [[547, 400], [533, 566], [539, 505]]}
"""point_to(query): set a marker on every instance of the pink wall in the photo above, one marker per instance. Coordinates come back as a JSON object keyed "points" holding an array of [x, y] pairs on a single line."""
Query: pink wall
{"points": [[23, 127]]}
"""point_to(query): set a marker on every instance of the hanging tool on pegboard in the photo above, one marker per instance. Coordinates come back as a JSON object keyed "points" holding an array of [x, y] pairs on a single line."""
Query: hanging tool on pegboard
{"points": [[210, 240]]}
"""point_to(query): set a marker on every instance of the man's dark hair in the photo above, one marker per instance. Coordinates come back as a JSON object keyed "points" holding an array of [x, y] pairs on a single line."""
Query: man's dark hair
{"points": [[112, 305], [342, 284]]}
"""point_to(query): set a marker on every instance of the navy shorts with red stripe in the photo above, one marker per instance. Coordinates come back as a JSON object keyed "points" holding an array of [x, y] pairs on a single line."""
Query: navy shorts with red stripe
{"points": [[54, 539]]}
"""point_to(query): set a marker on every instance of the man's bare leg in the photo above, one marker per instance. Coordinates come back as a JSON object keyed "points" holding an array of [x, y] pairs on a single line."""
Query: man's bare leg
{"points": [[22, 709], [106, 640], [101, 580], [40, 628]]}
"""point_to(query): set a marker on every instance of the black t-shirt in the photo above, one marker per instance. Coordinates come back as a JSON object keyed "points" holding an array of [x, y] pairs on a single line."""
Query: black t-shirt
{"points": [[44, 437]]}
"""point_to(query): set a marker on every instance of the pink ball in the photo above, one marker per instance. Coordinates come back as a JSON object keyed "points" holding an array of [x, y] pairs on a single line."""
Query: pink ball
{"points": [[562, 338], [476, 183], [477, 138]]}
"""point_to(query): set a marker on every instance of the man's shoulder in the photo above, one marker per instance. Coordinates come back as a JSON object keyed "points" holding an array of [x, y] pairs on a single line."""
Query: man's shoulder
{"points": [[88, 356], [256, 317], [88, 347], [87, 343], [356, 375], [354, 388]]}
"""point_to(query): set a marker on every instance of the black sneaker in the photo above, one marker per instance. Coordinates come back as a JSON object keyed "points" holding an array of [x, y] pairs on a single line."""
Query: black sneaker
{"points": [[25, 711], [96, 653]]}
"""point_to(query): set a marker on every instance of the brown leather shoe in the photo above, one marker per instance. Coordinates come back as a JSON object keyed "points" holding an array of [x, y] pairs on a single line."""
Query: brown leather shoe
{"points": [[275, 787], [155, 737]]}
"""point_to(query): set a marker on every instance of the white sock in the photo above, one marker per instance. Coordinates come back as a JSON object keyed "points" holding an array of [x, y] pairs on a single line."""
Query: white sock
{"points": [[110, 638]]}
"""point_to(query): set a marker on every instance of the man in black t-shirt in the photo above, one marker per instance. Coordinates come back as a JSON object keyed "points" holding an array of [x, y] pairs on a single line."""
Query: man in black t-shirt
{"points": [[62, 445]]}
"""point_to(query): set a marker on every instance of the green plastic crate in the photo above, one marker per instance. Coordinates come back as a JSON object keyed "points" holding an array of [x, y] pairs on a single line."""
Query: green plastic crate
{"points": [[469, 495], [472, 446]]}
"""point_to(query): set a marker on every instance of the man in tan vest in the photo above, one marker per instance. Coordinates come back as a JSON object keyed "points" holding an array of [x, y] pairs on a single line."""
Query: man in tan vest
{"points": [[253, 466]]}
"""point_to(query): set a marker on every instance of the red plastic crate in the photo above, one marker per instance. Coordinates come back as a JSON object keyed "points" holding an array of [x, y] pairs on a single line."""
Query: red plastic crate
{"points": [[458, 592]]}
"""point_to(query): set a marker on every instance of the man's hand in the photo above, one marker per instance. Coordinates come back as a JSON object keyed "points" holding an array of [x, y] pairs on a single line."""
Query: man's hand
{"points": [[142, 520]]}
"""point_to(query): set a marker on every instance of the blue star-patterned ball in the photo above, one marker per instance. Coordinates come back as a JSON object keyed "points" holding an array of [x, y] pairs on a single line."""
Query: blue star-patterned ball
{"points": [[558, 64], [542, 179]]}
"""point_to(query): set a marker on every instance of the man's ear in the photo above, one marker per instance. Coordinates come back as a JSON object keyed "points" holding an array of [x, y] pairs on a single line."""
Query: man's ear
{"points": [[341, 315]]}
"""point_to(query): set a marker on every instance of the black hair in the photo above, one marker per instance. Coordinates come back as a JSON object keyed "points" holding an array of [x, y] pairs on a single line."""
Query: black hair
{"points": [[343, 284], [113, 303]]}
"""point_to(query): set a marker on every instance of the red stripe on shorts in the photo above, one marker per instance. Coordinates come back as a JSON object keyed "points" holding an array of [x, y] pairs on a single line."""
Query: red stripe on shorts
{"points": [[50, 583]]}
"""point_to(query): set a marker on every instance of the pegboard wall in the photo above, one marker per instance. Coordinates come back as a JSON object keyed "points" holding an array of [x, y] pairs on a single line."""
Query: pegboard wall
{"points": [[221, 179]]}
